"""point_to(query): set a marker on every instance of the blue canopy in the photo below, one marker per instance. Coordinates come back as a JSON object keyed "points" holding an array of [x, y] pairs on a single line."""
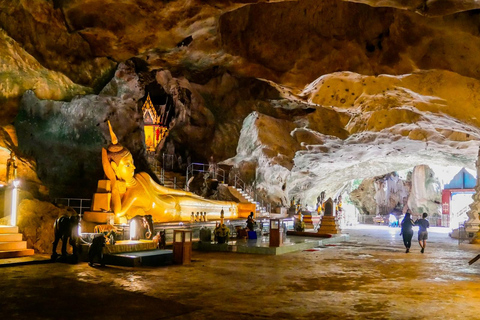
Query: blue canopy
{"points": [[462, 180]]}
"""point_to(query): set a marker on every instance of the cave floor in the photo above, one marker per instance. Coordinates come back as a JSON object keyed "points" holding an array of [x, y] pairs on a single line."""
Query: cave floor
{"points": [[368, 277]]}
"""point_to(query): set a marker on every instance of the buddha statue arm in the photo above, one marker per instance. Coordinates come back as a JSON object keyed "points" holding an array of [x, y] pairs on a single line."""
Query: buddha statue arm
{"points": [[116, 200], [163, 190], [123, 208]]}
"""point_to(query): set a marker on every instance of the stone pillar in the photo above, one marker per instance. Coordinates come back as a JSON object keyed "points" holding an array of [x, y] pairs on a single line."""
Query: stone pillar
{"points": [[472, 225]]}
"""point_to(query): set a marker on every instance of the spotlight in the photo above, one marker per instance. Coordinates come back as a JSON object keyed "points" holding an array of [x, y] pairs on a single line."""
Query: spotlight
{"points": [[132, 229], [13, 214]]}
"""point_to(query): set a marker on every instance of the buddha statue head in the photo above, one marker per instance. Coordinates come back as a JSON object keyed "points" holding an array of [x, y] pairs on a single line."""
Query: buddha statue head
{"points": [[117, 160]]}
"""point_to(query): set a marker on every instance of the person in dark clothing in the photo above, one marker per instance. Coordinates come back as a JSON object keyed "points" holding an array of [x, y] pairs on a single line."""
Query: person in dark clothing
{"points": [[250, 222], [407, 231], [423, 224]]}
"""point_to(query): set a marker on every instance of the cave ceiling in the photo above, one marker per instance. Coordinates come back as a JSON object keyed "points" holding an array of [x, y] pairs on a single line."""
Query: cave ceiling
{"points": [[304, 95]]}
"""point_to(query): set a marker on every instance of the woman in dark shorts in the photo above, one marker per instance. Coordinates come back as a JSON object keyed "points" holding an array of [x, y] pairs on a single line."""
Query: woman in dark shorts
{"points": [[422, 224], [407, 231]]}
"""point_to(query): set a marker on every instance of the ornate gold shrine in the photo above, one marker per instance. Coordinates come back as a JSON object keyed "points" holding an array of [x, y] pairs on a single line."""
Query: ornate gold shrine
{"points": [[154, 124]]}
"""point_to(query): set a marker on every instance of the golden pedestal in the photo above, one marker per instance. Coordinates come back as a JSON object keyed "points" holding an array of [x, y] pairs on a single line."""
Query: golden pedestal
{"points": [[98, 213], [97, 217], [307, 219], [328, 225], [101, 201], [244, 209], [104, 186]]}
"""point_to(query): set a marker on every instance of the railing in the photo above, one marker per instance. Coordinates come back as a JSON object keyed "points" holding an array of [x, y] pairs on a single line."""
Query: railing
{"points": [[167, 161], [159, 170], [240, 184], [214, 171], [79, 205], [266, 206], [455, 217], [154, 165], [212, 168], [173, 181]]}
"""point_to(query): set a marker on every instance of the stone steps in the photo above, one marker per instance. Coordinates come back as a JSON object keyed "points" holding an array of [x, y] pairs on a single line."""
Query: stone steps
{"points": [[244, 197], [17, 245], [237, 194], [10, 237], [8, 229], [16, 253], [11, 244]]}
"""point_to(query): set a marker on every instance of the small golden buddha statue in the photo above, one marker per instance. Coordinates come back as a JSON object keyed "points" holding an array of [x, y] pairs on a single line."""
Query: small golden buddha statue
{"points": [[11, 174], [137, 194]]}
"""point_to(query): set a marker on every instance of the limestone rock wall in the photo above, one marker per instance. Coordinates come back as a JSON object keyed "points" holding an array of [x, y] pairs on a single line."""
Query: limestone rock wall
{"points": [[359, 127], [424, 7], [363, 197], [66, 138], [382, 195], [391, 191], [35, 221], [328, 36], [426, 193], [421, 192], [19, 72], [40, 29]]}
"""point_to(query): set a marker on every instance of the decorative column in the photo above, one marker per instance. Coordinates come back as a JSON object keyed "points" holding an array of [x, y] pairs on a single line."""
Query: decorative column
{"points": [[472, 225]]}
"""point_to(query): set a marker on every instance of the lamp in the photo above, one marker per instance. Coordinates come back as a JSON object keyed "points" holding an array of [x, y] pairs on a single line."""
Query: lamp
{"points": [[13, 214], [132, 229]]}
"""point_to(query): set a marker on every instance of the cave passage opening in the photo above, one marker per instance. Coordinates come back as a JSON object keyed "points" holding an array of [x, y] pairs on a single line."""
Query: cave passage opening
{"points": [[444, 192]]}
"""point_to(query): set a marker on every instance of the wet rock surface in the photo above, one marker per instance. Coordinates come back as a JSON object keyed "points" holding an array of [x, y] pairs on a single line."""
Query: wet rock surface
{"points": [[369, 277]]}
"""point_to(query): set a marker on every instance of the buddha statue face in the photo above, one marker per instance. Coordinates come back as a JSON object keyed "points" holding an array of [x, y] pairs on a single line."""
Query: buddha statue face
{"points": [[125, 169]]}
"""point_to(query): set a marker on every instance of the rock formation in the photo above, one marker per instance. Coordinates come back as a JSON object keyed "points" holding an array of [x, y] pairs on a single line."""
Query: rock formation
{"points": [[425, 194], [382, 195]]}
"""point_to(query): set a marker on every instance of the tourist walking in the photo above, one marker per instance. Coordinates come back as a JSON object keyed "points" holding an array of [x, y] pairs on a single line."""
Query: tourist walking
{"points": [[422, 224], [407, 231]]}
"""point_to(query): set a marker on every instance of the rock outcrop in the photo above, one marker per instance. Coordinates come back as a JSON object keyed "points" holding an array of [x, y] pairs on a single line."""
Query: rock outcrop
{"points": [[66, 138], [358, 127]]}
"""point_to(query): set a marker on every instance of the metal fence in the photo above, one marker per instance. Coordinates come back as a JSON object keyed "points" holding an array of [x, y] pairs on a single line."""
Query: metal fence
{"points": [[167, 161], [212, 168], [79, 205]]}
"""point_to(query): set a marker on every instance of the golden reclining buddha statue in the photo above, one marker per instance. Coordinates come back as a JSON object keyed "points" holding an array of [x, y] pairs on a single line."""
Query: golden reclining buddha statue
{"points": [[138, 194]]}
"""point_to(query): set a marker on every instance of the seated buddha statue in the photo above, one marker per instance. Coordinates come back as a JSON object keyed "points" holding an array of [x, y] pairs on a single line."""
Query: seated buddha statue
{"points": [[138, 194]]}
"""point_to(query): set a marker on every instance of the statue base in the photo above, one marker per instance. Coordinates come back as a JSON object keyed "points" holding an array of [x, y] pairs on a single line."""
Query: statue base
{"points": [[328, 225]]}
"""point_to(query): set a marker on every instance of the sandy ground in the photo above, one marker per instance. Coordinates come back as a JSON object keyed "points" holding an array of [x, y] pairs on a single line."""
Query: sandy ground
{"points": [[369, 277]]}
